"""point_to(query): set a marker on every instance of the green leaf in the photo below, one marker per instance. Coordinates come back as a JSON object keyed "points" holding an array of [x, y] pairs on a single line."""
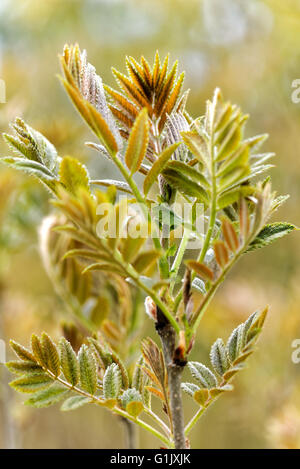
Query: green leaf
{"points": [[199, 285], [203, 375], [201, 396], [236, 342], [218, 357], [189, 388], [32, 144], [158, 166], [50, 354], [47, 397], [22, 368], [31, 383], [22, 352], [270, 233], [137, 142], [189, 172], [69, 363], [38, 351], [235, 176], [103, 355], [112, 382], [124, 374], [74, 402], [102, 129], [138, 375], [197, 145], [73, 175], [215, 392], [33, 168], [135, 408], [231, 196], [185, 185], [88, 370]]}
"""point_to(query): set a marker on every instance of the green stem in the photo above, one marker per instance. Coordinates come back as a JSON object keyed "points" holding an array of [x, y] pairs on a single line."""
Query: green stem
{"points": [[158, 421], [194, 420], [199, 414], [145, 426], [116, 410], [179, 256]]}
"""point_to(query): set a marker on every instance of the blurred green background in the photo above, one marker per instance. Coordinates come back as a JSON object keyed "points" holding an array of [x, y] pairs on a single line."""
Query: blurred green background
{"points": [[251, 50]]}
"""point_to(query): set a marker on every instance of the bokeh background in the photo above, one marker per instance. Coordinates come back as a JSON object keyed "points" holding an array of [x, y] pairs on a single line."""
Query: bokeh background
{"points": [[251, 49]]}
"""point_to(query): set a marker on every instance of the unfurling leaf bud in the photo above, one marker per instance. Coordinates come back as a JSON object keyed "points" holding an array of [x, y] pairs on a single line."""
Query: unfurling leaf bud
{"points": [[132, 402], [151, 308]]}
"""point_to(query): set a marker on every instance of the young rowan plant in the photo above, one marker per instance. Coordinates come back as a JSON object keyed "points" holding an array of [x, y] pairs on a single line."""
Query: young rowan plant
{"points": [[144, 128]]}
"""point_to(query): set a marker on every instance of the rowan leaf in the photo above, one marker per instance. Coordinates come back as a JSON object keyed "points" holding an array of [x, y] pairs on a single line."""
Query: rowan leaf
{"points": [[189, 388], [201, 396], [158, 167], [88, 370], [203, 375], [184, 184], [112, 382], [38, 351], [271, 233], [73, 175], [201, 269], [69, 363], [50, 354], [189, 172], [23, 367], [197, 145], [47, 397], [230, 235], [221, 253], [22, 352], [137, 142], [31, 383], [102, 130], [74, 402], [218, 357]]}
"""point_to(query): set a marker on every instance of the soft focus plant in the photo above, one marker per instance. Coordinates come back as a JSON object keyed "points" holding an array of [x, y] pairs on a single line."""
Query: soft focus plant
{"points": [[144, 128]]}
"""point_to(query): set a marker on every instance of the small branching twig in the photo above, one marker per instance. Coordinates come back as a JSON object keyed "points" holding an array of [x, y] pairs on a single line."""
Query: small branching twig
{"points": [[143, 128]]}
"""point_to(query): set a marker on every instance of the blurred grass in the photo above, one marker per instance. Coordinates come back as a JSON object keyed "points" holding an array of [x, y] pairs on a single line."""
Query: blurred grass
{"points": [[250, 50]]}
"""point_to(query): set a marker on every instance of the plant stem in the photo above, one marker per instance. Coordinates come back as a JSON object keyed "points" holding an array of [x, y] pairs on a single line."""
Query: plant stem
{"points": [[116, 410], [179, 256], [167, 336], [194, 420], [158, 420], [144, 425]]}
